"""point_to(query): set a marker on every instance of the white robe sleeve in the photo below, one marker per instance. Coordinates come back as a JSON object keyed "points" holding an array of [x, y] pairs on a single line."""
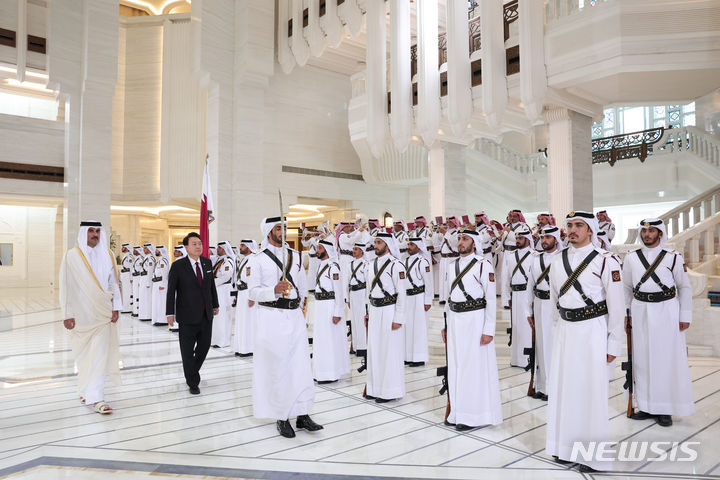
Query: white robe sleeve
{"points": [[490, 297], [611, 232], [300, 278], [427, 275], [531, 286], [256, 291], [401, 289], [505, 292], [682, 283], [615, 298], [627, 280], [65, 307], [115, 287], [339, 290]]}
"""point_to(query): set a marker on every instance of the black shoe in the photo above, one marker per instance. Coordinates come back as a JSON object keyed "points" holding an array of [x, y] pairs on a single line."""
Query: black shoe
{"points": [[417, 364], [407, 364], [442, 302], [145, 319], [325, 382], [216, 346], [368, 397], [361, 353], [463, 428], [544, 398], [238, 354], [664, 420], [195, 390], [160, 324], [352, 352], [506, 308], [561, 462], [285, 429], [585, 469], [382, 400], [640, 415], [536, 395], [449, 424], [304, 421]]}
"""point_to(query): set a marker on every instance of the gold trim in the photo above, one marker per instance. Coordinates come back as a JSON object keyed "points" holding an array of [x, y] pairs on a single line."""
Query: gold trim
{"points": [[82, 255]]}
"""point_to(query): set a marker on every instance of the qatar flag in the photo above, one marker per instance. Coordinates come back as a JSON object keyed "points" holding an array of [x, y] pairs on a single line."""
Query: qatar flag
{"points": [[206, 211]]}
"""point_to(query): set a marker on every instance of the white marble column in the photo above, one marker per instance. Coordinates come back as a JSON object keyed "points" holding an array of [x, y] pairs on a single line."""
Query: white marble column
{"points": [[494, 80], [436, 180], [570, 184], [82, 65], [533, 77]]}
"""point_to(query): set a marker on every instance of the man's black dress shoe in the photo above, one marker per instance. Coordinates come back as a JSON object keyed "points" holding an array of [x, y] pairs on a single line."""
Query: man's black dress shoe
{"points": [[585, 469], [407, 364], [640, 415], [463, 428], [325, 382], [664, 420], [382, 400], [537, 395], [449, 424], [216, 346], [195, 390], [238, 354], [304, 421], [561, 462], [544, 398], [285, 429]]}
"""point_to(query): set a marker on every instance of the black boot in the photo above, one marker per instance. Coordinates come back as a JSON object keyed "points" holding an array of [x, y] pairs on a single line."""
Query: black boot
{"points": [[304, 421], [285, 429], [561, 462], [640, 415], [463, 428], [664, 420], [585, 469]]}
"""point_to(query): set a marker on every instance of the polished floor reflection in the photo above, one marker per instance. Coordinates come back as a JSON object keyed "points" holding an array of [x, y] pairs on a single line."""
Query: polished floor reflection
{"points": [[158, 427]]}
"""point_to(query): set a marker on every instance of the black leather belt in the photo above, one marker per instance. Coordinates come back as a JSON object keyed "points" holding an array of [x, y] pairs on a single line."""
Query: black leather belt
{"points": [[157, 279], [655, 297], [135, 274], [124, 270], [359, 286], [584, 313], [542, 294], [283, 303], [143, 274], [324, 295], [468, 306], [520, 287], [383, 302], [449, 255], [487, 250], [416, 290]]}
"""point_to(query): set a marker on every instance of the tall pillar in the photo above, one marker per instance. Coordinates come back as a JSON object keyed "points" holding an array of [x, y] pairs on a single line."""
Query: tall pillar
{"points": [[82, 65], [436, 179], [569, 161]]}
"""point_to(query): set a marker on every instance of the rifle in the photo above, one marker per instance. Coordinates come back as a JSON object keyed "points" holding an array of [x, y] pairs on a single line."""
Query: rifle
{"points": [[364, 357], [627, 366], [349, 334], [530, 352], [509, 330], [443, 372]]}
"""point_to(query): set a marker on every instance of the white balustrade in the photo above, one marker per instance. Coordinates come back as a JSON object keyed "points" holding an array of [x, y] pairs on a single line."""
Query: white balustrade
{"points": [[698, 243], [522, 162]]}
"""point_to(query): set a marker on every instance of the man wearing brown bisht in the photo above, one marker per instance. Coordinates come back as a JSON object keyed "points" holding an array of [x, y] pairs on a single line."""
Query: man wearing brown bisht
{"points": [[90, 300]]}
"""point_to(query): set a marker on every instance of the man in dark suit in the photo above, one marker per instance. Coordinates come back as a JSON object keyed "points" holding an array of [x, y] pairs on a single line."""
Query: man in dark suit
{"points": [[192, 297]]}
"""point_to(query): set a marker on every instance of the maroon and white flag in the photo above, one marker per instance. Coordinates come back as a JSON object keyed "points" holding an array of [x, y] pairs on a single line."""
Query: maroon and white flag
{"points": [[206, 211]]}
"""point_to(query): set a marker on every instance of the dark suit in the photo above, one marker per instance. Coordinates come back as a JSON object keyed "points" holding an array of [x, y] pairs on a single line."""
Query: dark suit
{"points": [[192, 306]]}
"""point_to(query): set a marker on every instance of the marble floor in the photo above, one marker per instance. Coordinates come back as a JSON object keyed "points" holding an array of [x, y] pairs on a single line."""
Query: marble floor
{"points": [[160, 429]]}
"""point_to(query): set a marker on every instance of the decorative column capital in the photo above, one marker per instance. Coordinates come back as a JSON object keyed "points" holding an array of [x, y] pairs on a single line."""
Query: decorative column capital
{"points": [[556, 114]]}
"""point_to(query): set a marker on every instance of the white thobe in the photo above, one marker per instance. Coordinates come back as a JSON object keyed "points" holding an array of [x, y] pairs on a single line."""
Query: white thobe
{"points": [[542, 311], [385, 348], [126, 282], [578, 382], [402, 238], [434, 249], [368, 238], [418, 272], [245, 315], [473, 383], [146, 290], [311, 245], [222, 323], [521, 331], [159, 295], [609, 228], [449, 246], [136, 282], [357, 300], [282, 376], [330, 346], [662, 383]]}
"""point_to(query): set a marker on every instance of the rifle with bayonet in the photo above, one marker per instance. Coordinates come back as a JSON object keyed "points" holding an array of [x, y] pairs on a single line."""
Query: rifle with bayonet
{"points": [[443, 372], [364, 357], [530, 352], [627, 367]]}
